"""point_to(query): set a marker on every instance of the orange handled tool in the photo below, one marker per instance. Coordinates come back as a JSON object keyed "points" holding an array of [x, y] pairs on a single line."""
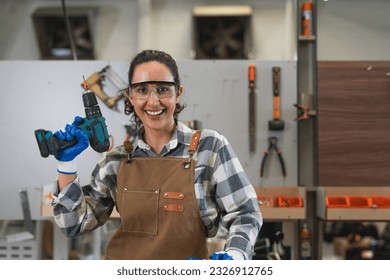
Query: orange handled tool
{"points": [[252, 76], [307, 18], [252, 108], [276, 123]]}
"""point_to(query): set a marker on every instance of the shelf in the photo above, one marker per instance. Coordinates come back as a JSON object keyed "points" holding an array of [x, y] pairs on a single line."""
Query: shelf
{"points": [[369, 212], [272, 211]]}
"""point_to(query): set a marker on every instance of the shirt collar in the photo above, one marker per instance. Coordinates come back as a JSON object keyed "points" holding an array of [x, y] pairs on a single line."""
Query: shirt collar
{"points": [[182, 135]]}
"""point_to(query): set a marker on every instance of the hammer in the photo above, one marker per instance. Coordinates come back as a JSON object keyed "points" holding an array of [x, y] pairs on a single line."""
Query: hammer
{"points": [[276, 123]]}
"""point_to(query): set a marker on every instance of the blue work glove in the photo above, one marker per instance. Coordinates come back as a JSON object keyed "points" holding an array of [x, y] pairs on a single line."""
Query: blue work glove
{"points": [[230, 255], [221, 256], [67, 164]]}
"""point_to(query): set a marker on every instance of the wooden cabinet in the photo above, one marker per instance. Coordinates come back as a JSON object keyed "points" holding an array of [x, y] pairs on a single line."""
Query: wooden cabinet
{"points": [[354, 123]]}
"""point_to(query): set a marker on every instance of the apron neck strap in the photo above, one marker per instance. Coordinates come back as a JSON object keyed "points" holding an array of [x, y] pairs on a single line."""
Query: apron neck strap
{"points": [[194, 142]]}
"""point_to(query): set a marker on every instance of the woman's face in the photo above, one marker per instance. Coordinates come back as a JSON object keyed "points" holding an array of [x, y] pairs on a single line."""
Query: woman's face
{"points": [[156, 114]]}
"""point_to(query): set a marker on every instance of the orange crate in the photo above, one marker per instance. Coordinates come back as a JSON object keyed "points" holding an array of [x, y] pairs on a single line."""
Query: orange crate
{"points": [[265, 201], [380, 202], [359, 202], [289, 201], [336, 202]]}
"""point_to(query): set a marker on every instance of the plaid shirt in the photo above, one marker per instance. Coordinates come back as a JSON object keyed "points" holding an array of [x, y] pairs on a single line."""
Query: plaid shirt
{"points": [[226, 199]]}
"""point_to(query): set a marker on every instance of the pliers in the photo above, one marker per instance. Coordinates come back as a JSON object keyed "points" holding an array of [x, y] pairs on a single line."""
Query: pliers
{"points": [[272, 145]]}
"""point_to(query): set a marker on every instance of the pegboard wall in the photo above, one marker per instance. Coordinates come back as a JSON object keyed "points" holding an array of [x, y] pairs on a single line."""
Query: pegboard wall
{"points": [[47, 94]]}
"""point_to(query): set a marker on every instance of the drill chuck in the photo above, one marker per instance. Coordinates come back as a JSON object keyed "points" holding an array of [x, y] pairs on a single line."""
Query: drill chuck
{"points": [[92, 109], [89, 99]]}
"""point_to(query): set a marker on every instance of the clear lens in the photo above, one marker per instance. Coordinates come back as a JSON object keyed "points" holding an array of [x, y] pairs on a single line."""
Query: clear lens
{"points": [[143, 90]]}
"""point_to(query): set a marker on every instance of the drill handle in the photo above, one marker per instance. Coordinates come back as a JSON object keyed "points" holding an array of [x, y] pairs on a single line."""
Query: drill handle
{"points": [[96, 130]]}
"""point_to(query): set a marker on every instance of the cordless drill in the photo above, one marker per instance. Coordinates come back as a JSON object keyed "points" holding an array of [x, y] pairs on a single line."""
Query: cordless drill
{"points": [[93, 125]]}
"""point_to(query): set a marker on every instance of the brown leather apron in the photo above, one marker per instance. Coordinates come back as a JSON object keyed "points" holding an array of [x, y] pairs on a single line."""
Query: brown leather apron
{"points": [[160, 217]]}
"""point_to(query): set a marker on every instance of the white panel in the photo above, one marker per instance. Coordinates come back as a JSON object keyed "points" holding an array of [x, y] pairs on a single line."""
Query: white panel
{"points": [[36, 94]]}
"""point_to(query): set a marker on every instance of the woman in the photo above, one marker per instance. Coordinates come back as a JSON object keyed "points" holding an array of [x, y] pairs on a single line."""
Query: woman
{"points": [[172, 186]]}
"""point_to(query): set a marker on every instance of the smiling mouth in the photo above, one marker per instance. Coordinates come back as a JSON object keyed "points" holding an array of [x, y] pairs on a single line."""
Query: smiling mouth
{"points": [[154, 113]]}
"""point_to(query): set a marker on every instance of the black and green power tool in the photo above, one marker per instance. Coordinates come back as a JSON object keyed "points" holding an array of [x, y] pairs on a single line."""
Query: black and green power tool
{"points": [[94, 126]]}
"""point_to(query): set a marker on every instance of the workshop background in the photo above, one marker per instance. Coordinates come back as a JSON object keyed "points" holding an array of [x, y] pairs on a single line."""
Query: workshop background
{"points": [[334, 91]]}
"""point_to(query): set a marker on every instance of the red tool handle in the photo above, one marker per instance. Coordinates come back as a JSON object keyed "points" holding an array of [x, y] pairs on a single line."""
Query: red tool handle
{"points": [[252, 75]]}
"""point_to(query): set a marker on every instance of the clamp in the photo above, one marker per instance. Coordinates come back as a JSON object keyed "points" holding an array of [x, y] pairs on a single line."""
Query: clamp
{"points": [[272, 145], [305, 107], [304, 112]]}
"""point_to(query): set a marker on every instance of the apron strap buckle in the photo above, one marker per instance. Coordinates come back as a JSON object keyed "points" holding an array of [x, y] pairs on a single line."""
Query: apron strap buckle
{"points": [[192, 149]]}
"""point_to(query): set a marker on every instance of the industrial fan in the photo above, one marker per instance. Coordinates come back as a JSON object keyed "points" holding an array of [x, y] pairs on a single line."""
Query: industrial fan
{"points": [[53, 36], [59, 43], [221, 34]]}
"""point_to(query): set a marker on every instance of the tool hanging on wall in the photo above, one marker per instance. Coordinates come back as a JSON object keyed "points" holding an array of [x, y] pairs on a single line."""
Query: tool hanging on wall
{"points": [[252, 108], [276, 123], [272, 146], [95, 83], [305, 107]]}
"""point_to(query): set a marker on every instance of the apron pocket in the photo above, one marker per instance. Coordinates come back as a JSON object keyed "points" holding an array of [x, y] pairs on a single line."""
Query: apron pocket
{"points": [[140, 211]]}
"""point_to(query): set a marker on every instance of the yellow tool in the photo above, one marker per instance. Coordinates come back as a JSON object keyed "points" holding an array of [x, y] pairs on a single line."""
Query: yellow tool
{"points": [[95, 83]]}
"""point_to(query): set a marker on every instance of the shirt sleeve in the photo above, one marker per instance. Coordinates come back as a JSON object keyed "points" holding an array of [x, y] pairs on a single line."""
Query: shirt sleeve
{"points": [[237, 200], [80, 209]]}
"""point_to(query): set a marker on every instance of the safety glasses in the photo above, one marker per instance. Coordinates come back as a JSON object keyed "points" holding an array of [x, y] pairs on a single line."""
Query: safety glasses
{"points": [[142, 91]]}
